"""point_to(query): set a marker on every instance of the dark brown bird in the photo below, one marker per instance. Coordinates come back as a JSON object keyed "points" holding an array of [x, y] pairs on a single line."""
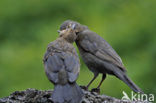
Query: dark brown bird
{"points": [[99, 56], [62, 67]]}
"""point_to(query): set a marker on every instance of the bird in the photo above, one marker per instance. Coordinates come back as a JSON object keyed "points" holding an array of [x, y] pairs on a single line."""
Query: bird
{"points": [[62, 66], [99, 56]]}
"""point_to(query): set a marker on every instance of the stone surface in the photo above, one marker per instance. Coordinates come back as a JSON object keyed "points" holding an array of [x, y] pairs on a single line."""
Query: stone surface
{"points": [[39, 96]]}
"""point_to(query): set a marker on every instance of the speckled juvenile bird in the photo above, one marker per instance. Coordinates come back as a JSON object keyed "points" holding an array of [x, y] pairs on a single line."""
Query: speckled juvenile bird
{"points": [[62, 67], [99, 56]]}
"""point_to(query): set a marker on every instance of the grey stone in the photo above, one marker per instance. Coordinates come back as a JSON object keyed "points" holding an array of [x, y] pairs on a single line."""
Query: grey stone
{"points": [[40, 96]]}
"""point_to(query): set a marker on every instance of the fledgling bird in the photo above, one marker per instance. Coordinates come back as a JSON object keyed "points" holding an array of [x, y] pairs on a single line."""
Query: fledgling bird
{"points": [[62, 66], [99, 56]]}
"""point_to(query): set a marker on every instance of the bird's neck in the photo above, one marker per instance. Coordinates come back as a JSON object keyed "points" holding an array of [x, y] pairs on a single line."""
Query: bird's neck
{"points": [[68, 40]]}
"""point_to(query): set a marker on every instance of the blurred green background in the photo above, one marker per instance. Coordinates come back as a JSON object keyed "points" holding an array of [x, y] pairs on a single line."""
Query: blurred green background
{"points": [[27, 26]]}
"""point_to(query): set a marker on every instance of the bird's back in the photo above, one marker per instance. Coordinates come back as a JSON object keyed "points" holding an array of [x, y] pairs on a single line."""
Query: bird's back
{"points": [[62, 69], [92, 46], [59, 55]]}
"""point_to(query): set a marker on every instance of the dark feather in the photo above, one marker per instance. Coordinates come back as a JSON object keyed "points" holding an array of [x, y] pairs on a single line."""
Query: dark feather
{"points": [[96, 45]]}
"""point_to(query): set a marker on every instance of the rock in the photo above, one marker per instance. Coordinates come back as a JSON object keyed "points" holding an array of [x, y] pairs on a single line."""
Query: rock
{"points": [[39, 96]]}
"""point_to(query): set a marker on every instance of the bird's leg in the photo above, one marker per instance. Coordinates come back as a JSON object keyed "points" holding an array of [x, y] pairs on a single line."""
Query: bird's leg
{"points": [[103, 78], [98, 87], [86, 87], [95, 76]]}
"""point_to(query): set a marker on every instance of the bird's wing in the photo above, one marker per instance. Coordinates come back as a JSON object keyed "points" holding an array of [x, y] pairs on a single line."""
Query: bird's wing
{"points": [[72, 66], [53, 63], [61, 60], [96, 45]]}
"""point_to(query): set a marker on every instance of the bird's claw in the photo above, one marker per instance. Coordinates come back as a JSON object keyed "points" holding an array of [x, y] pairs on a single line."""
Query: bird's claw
{"points": [[97, 90]]}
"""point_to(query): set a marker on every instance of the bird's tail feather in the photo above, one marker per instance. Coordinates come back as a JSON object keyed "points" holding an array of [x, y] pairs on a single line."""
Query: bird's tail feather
{"points": [[131, 84], [68, 93], [122, 76]]}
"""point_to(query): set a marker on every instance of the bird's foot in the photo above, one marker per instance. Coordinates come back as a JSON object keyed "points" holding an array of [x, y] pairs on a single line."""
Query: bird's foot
{"points": [[84, 87], [97, 90]]}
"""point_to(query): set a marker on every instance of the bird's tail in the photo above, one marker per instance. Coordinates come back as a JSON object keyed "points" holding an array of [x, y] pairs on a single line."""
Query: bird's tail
{"points": [[131, 84], [122, 76], [68, 93]]}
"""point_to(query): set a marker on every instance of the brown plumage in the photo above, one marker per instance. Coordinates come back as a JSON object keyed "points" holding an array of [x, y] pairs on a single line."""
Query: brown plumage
{"points": [[99, 56], [62, 67]]}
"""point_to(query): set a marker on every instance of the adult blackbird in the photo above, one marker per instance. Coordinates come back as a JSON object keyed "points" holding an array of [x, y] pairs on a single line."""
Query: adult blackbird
{"points": [[99, 56], [62, 67]]}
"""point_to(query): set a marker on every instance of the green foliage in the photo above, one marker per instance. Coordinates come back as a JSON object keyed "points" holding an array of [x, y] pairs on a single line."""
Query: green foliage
{"points": [[27, 26]]}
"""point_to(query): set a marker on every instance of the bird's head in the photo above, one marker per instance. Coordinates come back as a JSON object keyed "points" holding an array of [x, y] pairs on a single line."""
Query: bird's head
{"points": [[78, 27], [68, 33]]}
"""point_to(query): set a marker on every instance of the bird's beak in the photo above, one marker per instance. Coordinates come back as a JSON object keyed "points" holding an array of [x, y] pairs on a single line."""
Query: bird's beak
{"points": [[73, 26], [61, 32], [58, 31]]}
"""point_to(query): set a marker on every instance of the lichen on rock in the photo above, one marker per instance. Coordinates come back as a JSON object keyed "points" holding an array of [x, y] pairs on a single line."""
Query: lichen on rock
{"points": [[40, 96]]}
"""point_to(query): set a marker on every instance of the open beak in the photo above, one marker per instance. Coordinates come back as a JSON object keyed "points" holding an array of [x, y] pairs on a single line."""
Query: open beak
{"points": [[73, 26], [61, 32]]}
